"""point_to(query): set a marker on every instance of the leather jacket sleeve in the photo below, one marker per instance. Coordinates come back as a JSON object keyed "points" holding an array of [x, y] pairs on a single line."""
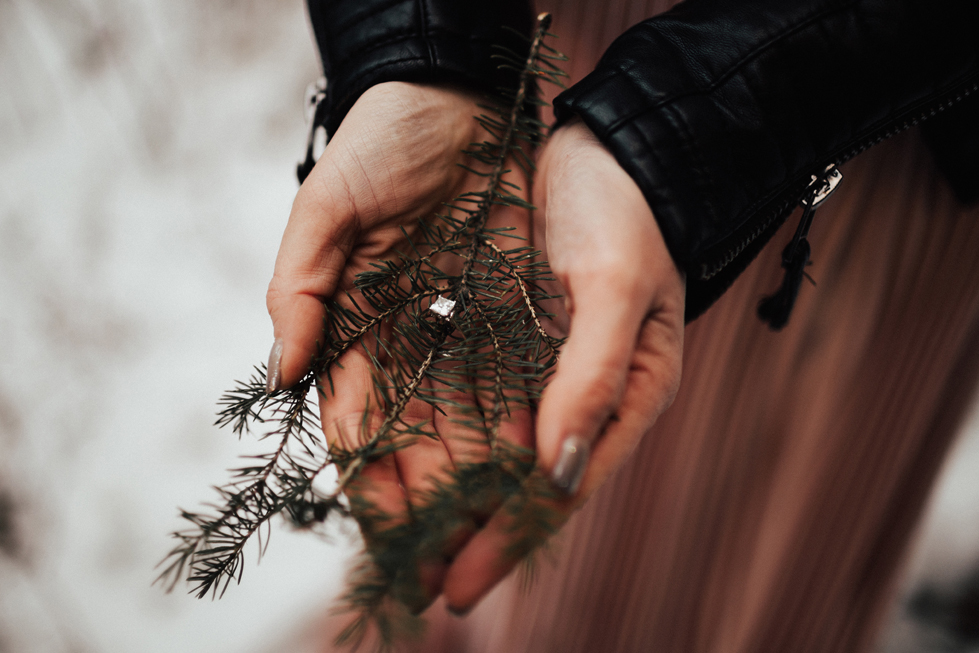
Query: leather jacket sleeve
{"points": [[954, 139], [366, 42], [721, 111]]}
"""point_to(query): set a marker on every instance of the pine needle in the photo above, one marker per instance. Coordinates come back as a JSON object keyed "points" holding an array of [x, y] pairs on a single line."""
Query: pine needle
{"points": [[493, 347]]}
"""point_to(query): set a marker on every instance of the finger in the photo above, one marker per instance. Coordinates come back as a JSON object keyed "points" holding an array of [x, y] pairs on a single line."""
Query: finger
{"points": [[509, 423], [514, 418], [458, 420], [345, 399], [462, 431], [501, 396], [461, 427], [425, 469], [494, 551], [590, 378], [467, 426], [424, 466], [317, 241], [476, 411], [491, 554], [651, 384]]}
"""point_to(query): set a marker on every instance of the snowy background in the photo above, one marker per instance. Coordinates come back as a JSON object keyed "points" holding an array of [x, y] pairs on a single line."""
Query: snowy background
{"points": [[147, 150]]}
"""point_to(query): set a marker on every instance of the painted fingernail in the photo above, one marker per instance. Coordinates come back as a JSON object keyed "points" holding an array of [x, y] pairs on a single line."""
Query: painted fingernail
{"points": [[458, 612], [273, 375], [571, 464]]}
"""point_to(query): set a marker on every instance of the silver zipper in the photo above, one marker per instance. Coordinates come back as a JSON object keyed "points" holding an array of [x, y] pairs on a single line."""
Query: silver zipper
{"points": [[710, 270]]}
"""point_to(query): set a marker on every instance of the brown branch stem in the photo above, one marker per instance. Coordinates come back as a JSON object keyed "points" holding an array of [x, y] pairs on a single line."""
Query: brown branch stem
{"points": [[501, 255]]}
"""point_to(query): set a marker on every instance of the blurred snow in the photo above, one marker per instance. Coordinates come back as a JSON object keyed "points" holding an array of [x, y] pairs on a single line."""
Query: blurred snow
{"points": [[147, 150], [938, 610]]}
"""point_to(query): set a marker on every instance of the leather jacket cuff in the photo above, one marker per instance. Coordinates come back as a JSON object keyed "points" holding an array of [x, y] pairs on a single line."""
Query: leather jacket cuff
{"points": [[367, 42], [652, 150], [723, 112], [690, 184]]}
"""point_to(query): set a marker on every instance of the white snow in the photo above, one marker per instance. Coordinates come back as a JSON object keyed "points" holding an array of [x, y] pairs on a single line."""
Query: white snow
{"points": [[147, 155]]}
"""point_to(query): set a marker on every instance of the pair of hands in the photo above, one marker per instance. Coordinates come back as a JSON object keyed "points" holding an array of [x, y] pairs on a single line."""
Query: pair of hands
{"points": [[394, 160]]}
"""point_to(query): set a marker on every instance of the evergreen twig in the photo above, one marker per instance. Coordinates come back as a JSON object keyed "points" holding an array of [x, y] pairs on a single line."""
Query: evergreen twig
{"points": [[493, 346]]}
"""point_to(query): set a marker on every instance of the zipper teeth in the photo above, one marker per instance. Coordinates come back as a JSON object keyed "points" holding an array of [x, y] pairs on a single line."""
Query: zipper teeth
{"points": [[709, 271], [908, 124], [706, 273]]}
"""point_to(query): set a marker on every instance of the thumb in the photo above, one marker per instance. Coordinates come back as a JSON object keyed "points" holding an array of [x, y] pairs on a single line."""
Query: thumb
{"points": [[315, 246], [590, 379]]}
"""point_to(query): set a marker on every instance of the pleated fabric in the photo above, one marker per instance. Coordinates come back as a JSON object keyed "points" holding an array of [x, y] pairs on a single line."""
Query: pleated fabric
{"points": [[771, 506]]}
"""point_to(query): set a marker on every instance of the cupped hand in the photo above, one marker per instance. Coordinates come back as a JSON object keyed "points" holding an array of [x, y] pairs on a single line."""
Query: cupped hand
{"points": [[620, 366], [393, 160]]}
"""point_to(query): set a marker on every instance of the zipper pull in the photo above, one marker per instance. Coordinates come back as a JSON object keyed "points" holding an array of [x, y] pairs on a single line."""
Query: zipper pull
{"points": [[775, 309]]}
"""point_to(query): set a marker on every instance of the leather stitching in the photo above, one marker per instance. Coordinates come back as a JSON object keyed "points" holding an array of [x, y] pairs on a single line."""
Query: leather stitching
{"points": [[433, 36], [754, 53], [367, 12], [423, 21], [701, 172]]}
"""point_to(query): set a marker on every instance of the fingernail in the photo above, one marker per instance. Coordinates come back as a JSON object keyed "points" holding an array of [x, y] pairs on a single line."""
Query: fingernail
{"points": [[458, 612], [431, 576], [571, 464], [273, 375]]}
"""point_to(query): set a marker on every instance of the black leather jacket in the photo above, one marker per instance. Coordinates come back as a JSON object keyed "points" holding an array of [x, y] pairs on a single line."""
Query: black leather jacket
{"points": [[721, 111]]}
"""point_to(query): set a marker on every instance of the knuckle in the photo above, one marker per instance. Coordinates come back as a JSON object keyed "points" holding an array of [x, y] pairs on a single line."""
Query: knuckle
{"points": [[274, 295], [605, 387], [616, 278], [671, 376]]}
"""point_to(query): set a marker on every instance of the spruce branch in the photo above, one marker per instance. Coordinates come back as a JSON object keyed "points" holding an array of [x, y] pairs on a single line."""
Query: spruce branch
{"points": [[453, 315]]}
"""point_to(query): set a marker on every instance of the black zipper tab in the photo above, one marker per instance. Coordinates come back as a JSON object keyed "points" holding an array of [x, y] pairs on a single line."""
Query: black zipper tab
{"points": [[776, 308]]}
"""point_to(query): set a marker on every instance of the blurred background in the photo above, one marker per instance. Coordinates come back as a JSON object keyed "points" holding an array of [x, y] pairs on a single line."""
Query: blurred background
{"points": [[147, 156]]}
